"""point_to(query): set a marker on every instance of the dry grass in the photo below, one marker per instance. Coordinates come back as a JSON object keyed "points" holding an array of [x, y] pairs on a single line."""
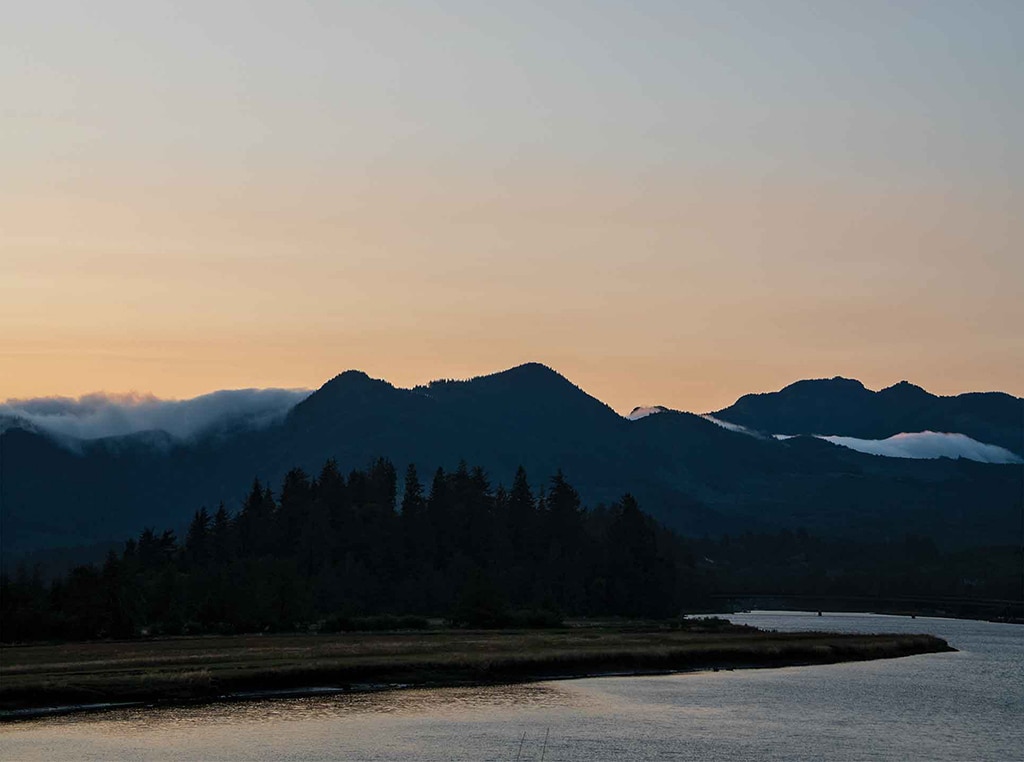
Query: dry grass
{"points": [[204, 668]]}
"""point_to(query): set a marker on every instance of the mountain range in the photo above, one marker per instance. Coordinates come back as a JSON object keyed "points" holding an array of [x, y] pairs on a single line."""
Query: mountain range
{"points": [[702, 475], [844, 407]]}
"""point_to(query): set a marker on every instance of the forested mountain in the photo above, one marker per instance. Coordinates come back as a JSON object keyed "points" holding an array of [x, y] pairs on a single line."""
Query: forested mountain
{"points": [[688, 472], [845, 407]]}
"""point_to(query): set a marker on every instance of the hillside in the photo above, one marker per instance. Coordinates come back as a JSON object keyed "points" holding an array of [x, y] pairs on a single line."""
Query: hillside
{"points": [[690, 473], [844, 406]]}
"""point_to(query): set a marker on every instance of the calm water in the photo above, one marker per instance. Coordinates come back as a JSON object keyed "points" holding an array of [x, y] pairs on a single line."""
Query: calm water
{"points": [[962, 706]]}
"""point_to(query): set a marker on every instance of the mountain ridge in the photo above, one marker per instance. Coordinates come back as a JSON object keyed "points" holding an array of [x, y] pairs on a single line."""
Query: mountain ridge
{"points": [[688, 471], [845, 407]]}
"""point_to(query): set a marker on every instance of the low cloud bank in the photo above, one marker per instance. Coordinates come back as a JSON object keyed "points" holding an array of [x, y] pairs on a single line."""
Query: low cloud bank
{"points": [[925, 445], [732, 426], [104, 415], [642, 412]]}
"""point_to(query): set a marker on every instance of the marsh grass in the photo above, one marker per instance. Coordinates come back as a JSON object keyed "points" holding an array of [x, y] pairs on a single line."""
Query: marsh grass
{"points": [[212, 667]]}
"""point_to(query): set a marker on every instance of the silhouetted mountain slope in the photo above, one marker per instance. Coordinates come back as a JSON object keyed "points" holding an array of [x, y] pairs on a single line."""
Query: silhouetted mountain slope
{"points": [[52, 496], [694, 475], [845, 407]]}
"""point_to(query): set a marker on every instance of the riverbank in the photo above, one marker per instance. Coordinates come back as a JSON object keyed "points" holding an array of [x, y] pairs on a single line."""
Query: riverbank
{"points": [[1005, 611], [211, 668]]}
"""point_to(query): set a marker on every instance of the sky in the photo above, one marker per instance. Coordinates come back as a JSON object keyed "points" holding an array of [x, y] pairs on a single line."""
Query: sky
{"points": [[670, 203]]}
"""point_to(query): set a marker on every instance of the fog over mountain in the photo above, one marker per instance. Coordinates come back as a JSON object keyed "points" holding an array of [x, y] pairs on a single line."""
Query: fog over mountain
{"points": [[642, 412], [94, 416], [100, 415], [919, 445], [697, 475], [926, 445], [732, 426], [910, 445], [902, 420]]}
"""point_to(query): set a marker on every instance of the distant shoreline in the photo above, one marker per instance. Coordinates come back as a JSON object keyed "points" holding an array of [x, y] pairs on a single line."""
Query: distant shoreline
{"points": [[40, 680], [902, 613]]}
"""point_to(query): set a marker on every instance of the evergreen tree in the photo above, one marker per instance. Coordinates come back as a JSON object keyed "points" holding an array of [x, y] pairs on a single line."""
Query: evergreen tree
{"points": [[415, 541], [197, 540], [564, 515], [438, 518], [336, 546], [222, 540], [522, 518], [564, 524], [251, 520], [293, 511]]}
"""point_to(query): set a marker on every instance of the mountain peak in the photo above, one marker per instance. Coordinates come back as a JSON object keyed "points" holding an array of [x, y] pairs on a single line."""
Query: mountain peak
{"points": [[642, 411], [532, 390], [844, 407], [531, 374], [350, 375], [351, 380], [532, 370], [353, 386], [905, 389], [834, 384]]}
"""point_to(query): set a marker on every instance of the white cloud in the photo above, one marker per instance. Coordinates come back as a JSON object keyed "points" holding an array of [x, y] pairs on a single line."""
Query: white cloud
{"points": [[104, 415], [732, 426], [642, 412], [927, 445]]}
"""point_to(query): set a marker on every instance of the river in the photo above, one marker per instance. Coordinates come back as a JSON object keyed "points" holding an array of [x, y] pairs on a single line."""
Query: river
{"points": [[967, 705]]}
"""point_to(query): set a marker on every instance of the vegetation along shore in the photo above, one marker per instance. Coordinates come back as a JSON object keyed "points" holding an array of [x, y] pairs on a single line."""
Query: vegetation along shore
{"points": [[210, 668], [298, 592]]}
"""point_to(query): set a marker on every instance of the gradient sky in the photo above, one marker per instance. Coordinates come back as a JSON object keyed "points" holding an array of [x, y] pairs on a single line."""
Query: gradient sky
{"points": [[669, 202]]}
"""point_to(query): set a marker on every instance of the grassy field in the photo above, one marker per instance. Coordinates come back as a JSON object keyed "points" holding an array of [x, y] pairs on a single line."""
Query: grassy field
{"points": [[208, 668]]}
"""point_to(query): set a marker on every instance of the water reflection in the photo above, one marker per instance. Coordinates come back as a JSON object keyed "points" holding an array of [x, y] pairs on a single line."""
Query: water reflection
{"points": [[454, 702], [935, 706]]}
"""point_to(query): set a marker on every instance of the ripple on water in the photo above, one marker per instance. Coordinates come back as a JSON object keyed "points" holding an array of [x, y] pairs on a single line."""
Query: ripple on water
{"points": [[957, 706]]}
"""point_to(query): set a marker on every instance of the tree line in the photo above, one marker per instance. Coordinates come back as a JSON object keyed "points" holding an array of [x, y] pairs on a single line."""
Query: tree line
{"points": [[981, 581], [328, 549]]}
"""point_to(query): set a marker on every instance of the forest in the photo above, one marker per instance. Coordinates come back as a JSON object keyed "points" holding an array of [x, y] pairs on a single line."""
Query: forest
{"points": [[344, 552], [334, 552]]}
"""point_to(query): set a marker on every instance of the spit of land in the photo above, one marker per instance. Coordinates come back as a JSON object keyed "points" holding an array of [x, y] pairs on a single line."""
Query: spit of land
{"points": [[211, 668]]}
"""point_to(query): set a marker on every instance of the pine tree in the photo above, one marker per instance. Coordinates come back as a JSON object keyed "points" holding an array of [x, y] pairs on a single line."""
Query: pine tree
{"points": [[522, 518], [293, 511], [197, 539], [221, 532]]}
